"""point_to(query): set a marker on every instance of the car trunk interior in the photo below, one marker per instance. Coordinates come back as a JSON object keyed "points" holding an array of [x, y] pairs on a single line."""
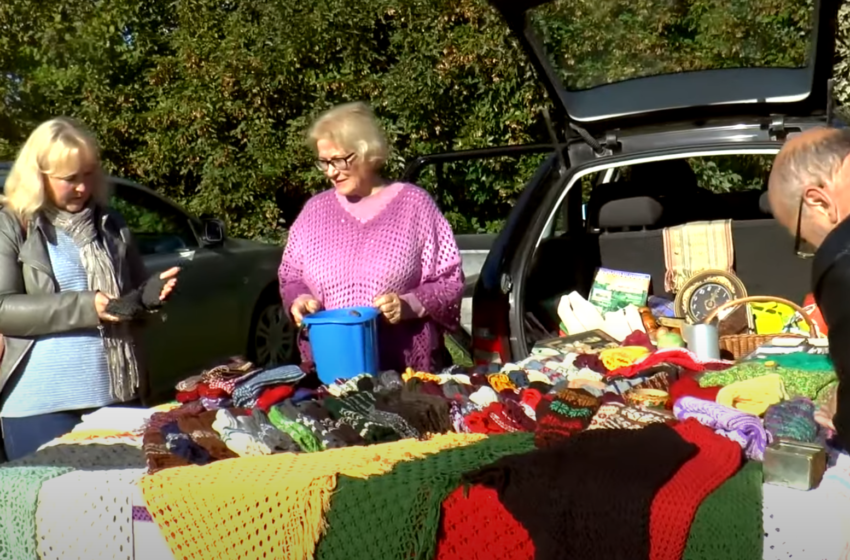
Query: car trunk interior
{"points": [[624, 231]]}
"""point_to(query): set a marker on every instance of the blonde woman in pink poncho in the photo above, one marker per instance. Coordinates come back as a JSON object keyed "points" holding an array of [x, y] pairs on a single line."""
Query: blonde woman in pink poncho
{"points": [[372, 242]]}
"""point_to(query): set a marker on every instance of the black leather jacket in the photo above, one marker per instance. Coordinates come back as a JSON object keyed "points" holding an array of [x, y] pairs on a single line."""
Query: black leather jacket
{"points": [[29, 303], [831, 288]]}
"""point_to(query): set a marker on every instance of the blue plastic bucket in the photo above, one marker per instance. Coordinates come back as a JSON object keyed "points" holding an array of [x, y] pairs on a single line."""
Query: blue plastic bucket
{"points": [[344, 342]]}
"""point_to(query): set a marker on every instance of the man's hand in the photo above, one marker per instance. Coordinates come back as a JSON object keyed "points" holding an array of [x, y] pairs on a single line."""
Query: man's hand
{"points": [[825, 414]]}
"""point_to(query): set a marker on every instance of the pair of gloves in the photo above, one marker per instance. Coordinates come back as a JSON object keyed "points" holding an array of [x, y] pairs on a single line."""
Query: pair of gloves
{"points": [[140, 301]]}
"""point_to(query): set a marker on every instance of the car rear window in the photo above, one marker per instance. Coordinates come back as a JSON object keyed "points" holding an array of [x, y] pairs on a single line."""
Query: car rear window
{"points": [[597, 42]]}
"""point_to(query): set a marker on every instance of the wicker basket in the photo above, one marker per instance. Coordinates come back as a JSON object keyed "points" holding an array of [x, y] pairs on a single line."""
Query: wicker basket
{"points": [[739, 345]]}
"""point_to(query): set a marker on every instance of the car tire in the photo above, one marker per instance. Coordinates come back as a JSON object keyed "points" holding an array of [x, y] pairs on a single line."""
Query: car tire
{"points": [[272, 340]]}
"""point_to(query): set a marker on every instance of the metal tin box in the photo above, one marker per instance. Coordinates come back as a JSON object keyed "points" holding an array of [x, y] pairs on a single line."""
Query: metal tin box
{"points": [[794, 465]]}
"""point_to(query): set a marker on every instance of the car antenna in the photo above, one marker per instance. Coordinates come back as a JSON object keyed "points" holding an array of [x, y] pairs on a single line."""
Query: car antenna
{"points": [[553, 136]]}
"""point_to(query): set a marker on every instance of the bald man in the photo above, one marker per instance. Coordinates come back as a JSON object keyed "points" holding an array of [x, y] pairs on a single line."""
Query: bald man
{"points": [[809, 193]]}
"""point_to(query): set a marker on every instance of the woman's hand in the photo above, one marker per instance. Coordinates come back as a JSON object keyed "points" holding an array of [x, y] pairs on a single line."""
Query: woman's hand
{"points": [[101, 300], [302, 306], [171, 276], [824, 415], [390, 306]]}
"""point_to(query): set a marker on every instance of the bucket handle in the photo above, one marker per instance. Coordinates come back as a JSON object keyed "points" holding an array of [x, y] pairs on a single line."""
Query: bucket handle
{"points": [[304, 329]]}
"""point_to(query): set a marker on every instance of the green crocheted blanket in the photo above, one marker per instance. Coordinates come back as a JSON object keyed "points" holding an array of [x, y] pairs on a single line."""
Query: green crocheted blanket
{"points": [[20, 484], [728, 524], [396, 516], [799, 382]]}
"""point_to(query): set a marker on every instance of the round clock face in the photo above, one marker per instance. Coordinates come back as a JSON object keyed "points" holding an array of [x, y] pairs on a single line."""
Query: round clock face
{"points": [[706, 299]]}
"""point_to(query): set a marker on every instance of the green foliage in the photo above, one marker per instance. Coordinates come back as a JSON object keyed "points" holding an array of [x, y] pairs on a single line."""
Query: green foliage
{"points": [[207, 101]]}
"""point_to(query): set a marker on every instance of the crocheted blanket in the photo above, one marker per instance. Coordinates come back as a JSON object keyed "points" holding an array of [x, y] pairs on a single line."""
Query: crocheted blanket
{"points": [[405, 503], [728, 524], [798, 382], [274, 504], [101, 525], [21, 482]]}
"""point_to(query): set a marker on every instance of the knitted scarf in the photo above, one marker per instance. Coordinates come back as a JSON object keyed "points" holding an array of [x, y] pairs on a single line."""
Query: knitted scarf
{"points": [[100, 270], [396, 516]]}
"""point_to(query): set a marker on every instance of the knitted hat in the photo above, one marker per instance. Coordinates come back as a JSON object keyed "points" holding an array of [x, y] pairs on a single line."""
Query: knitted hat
{"points": [[562, 415], [676, 504], [794, 419]]}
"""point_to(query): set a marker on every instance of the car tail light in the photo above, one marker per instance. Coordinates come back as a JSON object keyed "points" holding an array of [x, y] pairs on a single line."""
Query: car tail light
{"points": [[490, 332]]}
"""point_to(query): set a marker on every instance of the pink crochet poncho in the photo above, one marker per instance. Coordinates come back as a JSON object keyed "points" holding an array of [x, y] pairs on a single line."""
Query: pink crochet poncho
{"points": [[408, 248]]}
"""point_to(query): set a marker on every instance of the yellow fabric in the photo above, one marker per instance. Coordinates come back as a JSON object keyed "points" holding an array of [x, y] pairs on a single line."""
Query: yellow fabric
{"points": [[269, 507], [499, 382], [613, 358], [410, 374], [754, 396]]}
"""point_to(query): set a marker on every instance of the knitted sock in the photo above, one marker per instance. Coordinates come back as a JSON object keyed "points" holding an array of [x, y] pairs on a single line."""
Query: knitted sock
{"points": [[728, 524], [794, 419], [181, 444], [427, 414], [302, 437], [150, 291], [273, 395], [675, 505], [563, 415], [270, 436], [618, 416], [201, 431], [589, 497]]}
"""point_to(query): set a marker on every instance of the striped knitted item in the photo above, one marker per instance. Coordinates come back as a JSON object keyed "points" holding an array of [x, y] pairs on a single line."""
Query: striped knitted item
{"points": [[728, 524]]}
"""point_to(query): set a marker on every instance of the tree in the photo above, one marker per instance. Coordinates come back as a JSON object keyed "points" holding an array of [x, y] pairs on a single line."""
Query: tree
{"points": [[208, 101]]}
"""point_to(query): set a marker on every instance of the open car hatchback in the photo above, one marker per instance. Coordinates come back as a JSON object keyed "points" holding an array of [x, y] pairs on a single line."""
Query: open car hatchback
{"points": [[647, 92]]}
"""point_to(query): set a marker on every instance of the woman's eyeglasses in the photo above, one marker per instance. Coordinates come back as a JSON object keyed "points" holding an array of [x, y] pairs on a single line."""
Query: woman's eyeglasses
{"points": [[802, 248], [340, 163]]}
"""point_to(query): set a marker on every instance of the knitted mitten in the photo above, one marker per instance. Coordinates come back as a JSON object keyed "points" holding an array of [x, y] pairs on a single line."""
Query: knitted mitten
{"points": [[562, 415]]}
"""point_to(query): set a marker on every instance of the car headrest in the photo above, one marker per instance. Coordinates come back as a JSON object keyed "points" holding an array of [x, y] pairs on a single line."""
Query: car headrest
{"points": [[638, 211], [764, 204]]}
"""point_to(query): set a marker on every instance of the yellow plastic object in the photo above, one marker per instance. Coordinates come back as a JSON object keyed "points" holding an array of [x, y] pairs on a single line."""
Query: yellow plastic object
{"points": [[613, 358], [771, 317]]}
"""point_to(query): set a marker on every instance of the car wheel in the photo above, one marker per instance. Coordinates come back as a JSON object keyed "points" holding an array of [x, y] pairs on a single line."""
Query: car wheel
{"points": [[272, 339]]}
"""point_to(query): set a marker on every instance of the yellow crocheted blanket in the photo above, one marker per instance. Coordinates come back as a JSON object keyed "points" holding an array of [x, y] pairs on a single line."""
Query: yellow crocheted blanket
{"points": [[269, 507]]}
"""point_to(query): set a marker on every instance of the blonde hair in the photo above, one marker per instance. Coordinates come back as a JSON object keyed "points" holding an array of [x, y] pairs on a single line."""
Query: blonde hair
{"points": [[353, 127], [58, 148]]}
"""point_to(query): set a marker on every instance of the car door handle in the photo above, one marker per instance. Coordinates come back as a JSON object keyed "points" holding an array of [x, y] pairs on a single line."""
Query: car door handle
{"points": [[187, 254]]}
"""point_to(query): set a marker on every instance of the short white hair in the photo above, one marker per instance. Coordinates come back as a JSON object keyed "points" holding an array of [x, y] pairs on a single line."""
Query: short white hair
{"points": [[59, 147], [353, 127]]}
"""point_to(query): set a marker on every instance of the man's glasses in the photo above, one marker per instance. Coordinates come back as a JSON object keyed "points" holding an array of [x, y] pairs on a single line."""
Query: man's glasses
{"points": [[340, 163], [803, 248]]}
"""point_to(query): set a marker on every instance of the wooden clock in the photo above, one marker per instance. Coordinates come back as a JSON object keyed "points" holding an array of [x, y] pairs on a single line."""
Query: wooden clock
{"points": [[704, 292]]}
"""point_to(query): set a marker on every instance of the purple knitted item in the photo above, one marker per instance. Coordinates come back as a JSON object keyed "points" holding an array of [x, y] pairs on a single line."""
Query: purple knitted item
{"points": [[407, 249], [742, 428], [794, 419]]}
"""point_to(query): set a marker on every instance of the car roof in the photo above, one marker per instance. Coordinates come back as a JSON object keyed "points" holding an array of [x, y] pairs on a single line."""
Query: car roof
{"points": [[6, 166], [602, 63]]}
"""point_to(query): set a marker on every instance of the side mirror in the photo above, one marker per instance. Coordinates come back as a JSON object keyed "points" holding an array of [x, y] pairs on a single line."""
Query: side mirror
{"points": [[213, 233]]}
